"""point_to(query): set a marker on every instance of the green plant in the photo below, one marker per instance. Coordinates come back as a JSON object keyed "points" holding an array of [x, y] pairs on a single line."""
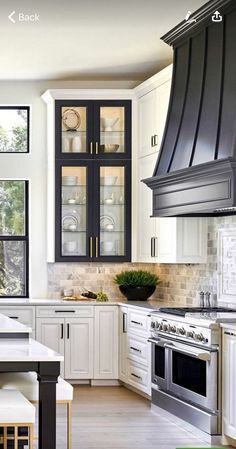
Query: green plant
{"points": [[136, 278]]}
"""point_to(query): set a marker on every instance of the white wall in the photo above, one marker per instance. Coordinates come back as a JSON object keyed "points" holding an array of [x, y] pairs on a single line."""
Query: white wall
{"points": [[33, 166]]}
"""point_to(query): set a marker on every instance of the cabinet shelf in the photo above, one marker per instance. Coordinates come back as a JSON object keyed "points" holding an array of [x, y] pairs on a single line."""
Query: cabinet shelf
{"points": [[73, 232], [73, 204], [111, 232], [75, 185], [109, 205]]}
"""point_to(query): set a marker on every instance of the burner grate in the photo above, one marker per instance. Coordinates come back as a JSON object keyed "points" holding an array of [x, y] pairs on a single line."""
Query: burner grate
{"points": [[181, 311]]}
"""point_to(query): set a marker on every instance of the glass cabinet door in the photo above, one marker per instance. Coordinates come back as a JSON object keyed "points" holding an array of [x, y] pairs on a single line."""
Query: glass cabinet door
{"points": [[73, 220], [113, 125], [114, 215], [73, 128]]}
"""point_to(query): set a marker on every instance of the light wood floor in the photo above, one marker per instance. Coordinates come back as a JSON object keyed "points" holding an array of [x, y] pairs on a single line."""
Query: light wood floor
{"points": [[116, 418]]}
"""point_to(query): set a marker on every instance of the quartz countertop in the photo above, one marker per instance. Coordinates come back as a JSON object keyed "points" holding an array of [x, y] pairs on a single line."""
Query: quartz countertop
{"points": [[14, 350], [229, 326], [146, 305], [9, 326]]}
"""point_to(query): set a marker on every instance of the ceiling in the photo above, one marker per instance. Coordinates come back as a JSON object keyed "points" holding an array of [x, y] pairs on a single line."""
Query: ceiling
{"points": [[88, 39]]}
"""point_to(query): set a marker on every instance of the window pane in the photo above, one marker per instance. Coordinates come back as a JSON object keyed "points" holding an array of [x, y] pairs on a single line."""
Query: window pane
{"points": [[12, 208], [14, 133], [12, 268]]}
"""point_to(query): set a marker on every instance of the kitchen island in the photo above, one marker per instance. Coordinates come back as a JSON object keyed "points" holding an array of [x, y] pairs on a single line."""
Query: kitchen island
{"points": [[20, 353]]}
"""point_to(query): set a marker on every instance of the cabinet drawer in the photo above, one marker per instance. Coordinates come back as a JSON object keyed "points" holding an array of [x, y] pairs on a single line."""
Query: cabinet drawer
{"points": [[138, 350], [65, 311], [25, 315], [138, 322], [138, 377]]}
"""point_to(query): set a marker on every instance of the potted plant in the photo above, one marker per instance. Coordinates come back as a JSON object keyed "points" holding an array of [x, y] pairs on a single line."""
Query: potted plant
{"points": [[137, 284]]}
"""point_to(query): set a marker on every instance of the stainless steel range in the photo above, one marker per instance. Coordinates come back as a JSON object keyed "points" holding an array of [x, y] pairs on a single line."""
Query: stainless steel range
{"points": [[186, 364]]}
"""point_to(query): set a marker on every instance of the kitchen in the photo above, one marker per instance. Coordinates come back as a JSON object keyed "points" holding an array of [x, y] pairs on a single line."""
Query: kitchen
{"points": [[83, 218]]}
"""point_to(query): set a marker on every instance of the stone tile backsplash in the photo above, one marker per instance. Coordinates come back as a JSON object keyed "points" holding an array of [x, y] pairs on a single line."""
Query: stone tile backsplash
{"points": [[179, 282]]}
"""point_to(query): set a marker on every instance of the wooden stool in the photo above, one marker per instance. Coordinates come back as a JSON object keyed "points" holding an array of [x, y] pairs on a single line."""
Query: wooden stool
{"points": [[16, 414], [27, 384]]}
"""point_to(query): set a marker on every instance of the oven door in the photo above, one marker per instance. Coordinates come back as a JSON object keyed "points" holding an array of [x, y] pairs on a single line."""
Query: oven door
{"points": [[159, 363], [193, 374]]}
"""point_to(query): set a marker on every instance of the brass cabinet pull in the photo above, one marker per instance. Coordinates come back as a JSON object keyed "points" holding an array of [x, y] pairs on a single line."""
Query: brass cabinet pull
{"points": [[91, 147], [96, 147], [96, 246], [91, 246]]}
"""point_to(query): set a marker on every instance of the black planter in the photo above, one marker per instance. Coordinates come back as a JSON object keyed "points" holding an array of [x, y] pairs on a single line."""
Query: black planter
{"points": [[137, 293]]}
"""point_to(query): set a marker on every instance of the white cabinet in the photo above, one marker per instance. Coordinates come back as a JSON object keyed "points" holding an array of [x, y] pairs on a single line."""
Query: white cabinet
{"points": [[229, 384], [79, 348], [50, 332], [182, 240], [152, 116], [147, 226], [106, 342], [123, 343], [22, 314], [135, 350], [71, 337]]}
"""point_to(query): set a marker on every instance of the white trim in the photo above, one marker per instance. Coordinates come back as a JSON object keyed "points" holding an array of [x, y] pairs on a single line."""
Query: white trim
{"points": [[154, 82], [87, 94]]}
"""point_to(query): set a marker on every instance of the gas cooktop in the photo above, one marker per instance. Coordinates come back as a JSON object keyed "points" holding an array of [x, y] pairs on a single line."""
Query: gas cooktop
{"points": [[181, 311]]}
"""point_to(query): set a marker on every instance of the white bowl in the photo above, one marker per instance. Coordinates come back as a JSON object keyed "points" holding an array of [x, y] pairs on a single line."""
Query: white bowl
{"points": [[108, 180]]}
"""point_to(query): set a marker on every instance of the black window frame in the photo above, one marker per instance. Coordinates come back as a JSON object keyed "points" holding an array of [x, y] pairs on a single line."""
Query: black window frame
{"points": [[21, 238], [15, 107]]}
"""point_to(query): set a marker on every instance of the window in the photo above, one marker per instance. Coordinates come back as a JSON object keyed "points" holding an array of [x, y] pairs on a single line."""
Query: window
{"points": [[14, 245], [14, 129]]}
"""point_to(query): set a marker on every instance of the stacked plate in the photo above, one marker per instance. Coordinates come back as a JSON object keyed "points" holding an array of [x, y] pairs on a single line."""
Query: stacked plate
{"points": [[69, 180]]}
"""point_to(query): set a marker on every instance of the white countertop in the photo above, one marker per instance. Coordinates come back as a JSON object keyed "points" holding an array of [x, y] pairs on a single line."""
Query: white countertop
{"points": [[229, 326], [145, 305], [9, 326], [26, 350]]}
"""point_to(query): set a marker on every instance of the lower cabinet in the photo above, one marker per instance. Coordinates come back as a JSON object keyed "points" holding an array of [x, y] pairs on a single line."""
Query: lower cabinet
{"points": [[79, 348], [229, 384], [123, 311], [134, 349], [106, 342], [73, 338], [89, 344]]}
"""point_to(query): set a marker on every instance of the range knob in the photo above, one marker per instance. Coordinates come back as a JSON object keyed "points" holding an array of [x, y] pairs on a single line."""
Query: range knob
{"points": [[160, 326], [165, 327], [153, 324], [181, 331], [190, 334], [173, 329], [199, 337], [157, 325]]}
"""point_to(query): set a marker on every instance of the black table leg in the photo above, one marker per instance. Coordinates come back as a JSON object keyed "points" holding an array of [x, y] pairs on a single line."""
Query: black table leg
{"points": [[48, 373]]}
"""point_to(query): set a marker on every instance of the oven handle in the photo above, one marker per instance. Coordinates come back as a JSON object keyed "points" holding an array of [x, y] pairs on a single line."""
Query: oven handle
{"points": [[206, 356]]}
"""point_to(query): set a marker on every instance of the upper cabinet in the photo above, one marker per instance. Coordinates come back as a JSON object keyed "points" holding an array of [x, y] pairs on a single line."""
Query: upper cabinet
{"points": [[152, 116], [93, 129], [89, 176], [167, 240]]}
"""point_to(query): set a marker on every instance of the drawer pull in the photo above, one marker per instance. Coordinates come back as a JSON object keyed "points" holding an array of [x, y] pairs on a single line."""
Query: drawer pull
{"points": [[135, 349], [14, 317], [64, 311], [135, 375], [68, 331], [62, 331], [137, 322]]}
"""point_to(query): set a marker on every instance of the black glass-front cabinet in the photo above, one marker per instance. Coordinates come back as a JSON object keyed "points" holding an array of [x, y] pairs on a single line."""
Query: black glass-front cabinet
{"points": [[93, 181]]}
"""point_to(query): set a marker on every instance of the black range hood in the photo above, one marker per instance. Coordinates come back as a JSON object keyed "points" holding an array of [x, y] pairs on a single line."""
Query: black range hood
{"points": [[195, 173]]}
